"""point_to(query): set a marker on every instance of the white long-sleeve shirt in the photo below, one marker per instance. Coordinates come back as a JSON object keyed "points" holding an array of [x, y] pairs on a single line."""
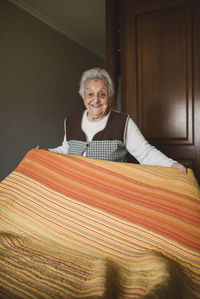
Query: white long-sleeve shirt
{"points": [[135, 142]]}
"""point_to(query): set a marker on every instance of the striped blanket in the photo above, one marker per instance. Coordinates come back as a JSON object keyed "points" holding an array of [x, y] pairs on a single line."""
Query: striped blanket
{"points": [[75, 227]]}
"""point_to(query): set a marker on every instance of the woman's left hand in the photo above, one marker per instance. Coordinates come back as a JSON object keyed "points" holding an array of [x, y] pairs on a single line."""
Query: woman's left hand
{"points": [[179, 166]]}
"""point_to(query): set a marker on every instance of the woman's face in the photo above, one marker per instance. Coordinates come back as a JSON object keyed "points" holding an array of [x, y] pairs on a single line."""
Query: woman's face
{"points": [[96, 99]]}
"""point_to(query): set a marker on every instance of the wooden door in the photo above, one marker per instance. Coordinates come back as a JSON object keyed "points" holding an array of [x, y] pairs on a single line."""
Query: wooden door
{"points": [[160, 69]]}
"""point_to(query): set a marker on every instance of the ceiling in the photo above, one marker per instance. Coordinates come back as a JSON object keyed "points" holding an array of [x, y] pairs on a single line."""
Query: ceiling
{"points": [[80, 20]]}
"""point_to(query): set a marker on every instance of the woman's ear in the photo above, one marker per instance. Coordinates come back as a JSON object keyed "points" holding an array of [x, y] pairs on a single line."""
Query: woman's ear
{"points": [[110, 101], [82, 97], [83, 101]]}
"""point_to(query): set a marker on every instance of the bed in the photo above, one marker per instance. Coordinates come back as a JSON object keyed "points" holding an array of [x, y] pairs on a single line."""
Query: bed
{"points": [[76, 227]]}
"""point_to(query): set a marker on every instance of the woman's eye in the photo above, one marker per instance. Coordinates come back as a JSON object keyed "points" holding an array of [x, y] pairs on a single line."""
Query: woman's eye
{"points": [[102, 94], [89, 94]]}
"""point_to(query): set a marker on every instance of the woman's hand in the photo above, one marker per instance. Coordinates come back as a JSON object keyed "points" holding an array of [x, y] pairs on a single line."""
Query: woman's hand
{"points": [[38, 147], [179, 166]]}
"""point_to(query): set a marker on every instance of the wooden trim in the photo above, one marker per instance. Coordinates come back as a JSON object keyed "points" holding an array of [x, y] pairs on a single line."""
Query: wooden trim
{"points": [[196, 82], [112, 27]]}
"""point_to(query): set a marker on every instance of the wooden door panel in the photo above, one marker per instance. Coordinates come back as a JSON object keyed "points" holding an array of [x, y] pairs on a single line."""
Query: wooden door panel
{"points": [[164, 75], [160, 45]]}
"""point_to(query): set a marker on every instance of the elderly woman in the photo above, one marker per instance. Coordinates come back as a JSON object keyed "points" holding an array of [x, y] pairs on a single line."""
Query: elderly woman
{"points": [[102, 133]]}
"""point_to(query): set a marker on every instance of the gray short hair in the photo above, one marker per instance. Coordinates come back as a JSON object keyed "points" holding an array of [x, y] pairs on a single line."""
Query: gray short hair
{"points": [[96, 73]]}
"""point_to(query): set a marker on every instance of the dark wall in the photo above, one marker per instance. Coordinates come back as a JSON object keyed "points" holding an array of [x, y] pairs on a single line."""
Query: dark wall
{"points": [[40, 70]]}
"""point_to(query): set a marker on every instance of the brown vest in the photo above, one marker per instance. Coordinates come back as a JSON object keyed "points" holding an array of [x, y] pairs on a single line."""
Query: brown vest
{"points": [[114, 130], [108, 144]]}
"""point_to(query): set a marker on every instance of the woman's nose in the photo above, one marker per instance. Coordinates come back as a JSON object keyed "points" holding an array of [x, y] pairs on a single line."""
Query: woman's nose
{"points": [[96, 98]]}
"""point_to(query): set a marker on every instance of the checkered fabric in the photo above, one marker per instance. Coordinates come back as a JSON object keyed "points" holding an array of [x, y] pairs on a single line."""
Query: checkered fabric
{"points": [[111, 150]]}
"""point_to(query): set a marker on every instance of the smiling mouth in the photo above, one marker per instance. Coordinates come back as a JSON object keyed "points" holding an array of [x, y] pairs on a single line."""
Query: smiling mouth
{"points": [[96, 106]]}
